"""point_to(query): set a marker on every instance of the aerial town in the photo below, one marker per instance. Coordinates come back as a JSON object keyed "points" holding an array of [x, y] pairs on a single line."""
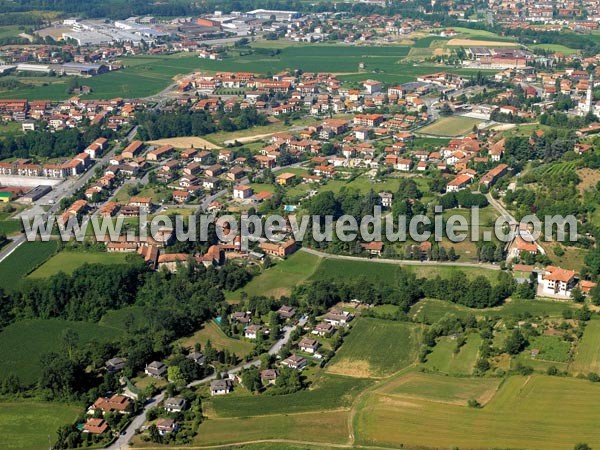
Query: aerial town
{"points": [[124, 127]]}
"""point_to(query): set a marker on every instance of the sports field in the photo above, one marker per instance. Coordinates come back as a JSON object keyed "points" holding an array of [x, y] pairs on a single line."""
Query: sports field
{"points": [[539, 412], [450, 126], [186, 142], [27, 424], [67, 262]]}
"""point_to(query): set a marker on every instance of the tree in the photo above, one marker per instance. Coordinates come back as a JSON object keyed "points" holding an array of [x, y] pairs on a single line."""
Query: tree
{"points": [[515, 343], [577, 295], [69, 339], [251, 379], [582, 446], [175, 375]]}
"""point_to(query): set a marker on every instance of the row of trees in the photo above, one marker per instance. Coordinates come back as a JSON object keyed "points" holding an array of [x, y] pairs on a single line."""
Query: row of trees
{"points": [[157, 124]]}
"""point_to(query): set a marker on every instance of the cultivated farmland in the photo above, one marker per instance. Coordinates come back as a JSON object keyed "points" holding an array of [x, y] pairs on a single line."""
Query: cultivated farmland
{"points": [[587, 355], [67, 262], [22, 343], [26, 424], [23, 260], [376, 348], [544, 412]]}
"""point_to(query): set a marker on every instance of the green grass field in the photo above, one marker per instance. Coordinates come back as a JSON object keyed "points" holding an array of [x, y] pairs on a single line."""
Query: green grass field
{"points": [[322, 426], [327, 392], [23, 260], [431, 310], [536, 412], [26, 424], [67, 262], [557, 48], [443, 359], [22, 343], [587, 354], [450, 126], [337, 269], [218, 340], [280, 279], [441, 388], [376, 348]]}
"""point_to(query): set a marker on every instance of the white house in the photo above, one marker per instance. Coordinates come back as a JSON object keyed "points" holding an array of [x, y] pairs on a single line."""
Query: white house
{"points": [[242, 192]]}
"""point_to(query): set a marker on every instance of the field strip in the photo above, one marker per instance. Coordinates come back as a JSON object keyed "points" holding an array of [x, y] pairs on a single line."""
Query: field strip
{"points": [[400, 262], [266, 441], [301, 413]]}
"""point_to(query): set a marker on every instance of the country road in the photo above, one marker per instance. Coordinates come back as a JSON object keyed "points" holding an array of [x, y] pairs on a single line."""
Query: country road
{"points": [[401, 262]]}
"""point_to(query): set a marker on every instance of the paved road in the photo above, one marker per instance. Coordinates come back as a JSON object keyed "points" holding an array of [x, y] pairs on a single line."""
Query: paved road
{"points": [[502, 210], [403, 262], [122, 441], [65, 189]]}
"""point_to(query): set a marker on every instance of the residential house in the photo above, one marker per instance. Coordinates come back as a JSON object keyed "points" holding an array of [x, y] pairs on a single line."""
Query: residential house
{"points": [[295, 362], [221, 387], [308, 345], [95, 426], [269, 376], [156, 369], [174, 404]]}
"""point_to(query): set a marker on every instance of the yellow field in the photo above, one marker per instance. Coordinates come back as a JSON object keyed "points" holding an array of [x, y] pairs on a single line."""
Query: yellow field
{"points": [[186, 142]]}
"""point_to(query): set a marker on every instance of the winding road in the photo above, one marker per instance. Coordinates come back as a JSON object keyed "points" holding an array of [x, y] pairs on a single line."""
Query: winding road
{"points": [[122, 441]]}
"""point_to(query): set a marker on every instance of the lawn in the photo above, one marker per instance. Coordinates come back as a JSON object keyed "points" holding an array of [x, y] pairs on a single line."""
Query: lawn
{"points": [[27, 424], [23, 260], [443, 359], [538, 412], [218, 340], [67, 262], [280, 279], [327, 393], [450, 126], [376, 348], [33, 338], [587, 354], [322, 426]]}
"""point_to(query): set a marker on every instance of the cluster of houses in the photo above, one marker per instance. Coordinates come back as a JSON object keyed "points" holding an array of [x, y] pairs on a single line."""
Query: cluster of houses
{"points": [[305, 350], [70, 113]]}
